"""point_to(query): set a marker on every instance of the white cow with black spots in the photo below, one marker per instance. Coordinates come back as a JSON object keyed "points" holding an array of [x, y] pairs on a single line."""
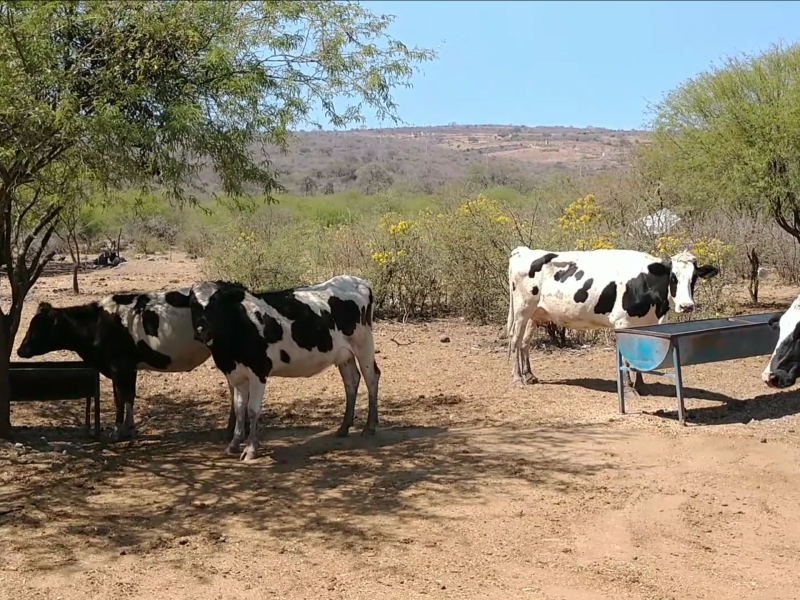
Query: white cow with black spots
{"points": [[595, 289], [298, 332]]}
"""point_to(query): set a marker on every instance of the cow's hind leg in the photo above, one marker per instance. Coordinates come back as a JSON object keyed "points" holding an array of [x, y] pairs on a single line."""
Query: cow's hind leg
{"points": [[369, 369], [241, 394], [525, 354], [255, 403], [351, 379]]}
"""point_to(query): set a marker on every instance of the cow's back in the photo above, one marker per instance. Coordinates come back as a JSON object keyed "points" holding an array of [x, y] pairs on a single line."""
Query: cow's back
{"points": [[588, 294]]}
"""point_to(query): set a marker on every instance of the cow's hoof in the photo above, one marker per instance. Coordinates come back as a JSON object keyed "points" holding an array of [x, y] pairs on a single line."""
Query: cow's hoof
{"points": [[530, 379], [630, 392], [249, 454], [232, 450], [368, 430], [342, 431], [642, 390], [120, 434]]}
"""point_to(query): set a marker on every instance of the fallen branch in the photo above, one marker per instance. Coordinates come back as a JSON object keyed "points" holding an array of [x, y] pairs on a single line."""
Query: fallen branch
{"points": [[400, 344]]}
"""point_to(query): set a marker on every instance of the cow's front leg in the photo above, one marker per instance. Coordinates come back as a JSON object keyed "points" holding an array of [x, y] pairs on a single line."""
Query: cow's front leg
{"points": [[240, 396], [632, 382], [257, 389], [639, 385], [119, 409], [232, 418], [126, 386]]}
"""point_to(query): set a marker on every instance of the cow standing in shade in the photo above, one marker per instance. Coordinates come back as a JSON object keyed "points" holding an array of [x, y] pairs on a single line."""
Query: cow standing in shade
{"points": [[298, 332], [595, 289], [118, 336], [784, 364]]}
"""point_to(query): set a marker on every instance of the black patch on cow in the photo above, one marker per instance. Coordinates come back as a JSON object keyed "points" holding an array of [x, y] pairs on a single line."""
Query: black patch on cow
{"points": [[606, 300], [647, 290], [538, 264], [142, 300], [582, 295], [673, 285], [150, 322], [310, 331], [273, 332], [124, 299], [513, 287], [177, 299], [345, 313], [535, 290], [285, 357], [565, 274], [259, 316], [579, 275], [152, 357]]}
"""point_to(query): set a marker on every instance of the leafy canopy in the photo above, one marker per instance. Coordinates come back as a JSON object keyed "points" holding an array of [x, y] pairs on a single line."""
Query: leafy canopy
{"points": [[135, 92], [732, 136]]}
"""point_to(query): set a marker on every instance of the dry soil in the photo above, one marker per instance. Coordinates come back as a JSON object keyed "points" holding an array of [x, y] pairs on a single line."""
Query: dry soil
{"points": [[473, 488]]}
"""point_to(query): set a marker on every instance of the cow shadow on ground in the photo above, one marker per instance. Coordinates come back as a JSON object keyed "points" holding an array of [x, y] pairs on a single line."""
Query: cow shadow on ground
{"points": [[166, 488], [729, 411]]}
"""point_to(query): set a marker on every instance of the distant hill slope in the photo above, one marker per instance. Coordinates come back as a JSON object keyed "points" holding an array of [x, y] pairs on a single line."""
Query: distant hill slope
{"points": [[425, 157]]}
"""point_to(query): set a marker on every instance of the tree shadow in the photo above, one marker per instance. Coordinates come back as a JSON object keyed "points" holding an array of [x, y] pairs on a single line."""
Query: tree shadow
{"points": [[731, 411], [159, 492]]}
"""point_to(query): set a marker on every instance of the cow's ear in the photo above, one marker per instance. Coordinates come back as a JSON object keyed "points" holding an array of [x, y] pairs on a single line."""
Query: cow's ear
{"points": [[660, 269], [707, 271]]}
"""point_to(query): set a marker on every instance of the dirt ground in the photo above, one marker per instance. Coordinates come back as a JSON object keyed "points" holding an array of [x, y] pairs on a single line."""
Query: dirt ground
{"points": [[472, 488]]}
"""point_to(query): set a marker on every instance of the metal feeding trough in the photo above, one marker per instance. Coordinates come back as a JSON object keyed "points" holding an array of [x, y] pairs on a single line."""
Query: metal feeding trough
{"points": [[57, 380], [677, 345]]}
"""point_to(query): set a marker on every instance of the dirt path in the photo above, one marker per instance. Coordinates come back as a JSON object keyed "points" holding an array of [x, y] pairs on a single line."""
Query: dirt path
{"points": [[472, 489]]}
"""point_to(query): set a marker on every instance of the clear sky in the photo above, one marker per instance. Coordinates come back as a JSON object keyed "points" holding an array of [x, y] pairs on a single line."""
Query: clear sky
{"points": [[569, 63]]}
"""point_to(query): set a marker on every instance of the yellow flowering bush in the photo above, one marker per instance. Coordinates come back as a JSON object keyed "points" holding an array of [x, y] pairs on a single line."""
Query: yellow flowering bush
{"points": [[603, 241], [584, 218]]}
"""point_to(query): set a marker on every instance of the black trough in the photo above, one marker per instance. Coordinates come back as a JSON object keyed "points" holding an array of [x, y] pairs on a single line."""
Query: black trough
{"points": [[57, 380]]}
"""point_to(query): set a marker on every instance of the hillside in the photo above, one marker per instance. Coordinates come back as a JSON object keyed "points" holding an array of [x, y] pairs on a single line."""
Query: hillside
{"points": [[425, 157]]}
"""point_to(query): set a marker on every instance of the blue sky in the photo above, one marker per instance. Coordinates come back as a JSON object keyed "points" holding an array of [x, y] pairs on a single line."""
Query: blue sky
{"points": [[569, 63]]}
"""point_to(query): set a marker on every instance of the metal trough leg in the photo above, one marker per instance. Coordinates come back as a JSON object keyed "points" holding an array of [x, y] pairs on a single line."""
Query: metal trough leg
{"points": [[676, 363], [620, 389]]}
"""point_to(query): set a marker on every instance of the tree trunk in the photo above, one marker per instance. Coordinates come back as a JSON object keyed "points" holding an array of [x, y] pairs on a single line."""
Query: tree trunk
{"points": [[75, 267], [5, 384], [752, 284]]}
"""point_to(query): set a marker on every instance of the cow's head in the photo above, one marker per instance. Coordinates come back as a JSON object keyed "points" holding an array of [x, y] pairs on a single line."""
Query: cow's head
{"points": [[210, 304], [683, 273], [784, 365], [45, 332]]}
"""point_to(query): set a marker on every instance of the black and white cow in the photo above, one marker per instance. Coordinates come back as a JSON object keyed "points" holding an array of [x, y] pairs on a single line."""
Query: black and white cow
{"points": [[120, 335], [784, 364], [596, 289], [297, 332]]}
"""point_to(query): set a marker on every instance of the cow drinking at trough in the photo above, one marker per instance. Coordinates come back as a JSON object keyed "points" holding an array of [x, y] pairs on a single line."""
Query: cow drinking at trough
{"points": [[784, 364], [297, 332], [119, 335], [595, 289]]}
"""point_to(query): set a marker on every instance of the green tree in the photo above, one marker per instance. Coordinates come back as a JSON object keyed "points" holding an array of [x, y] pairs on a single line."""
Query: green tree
{"points": [[143, 94], [731, 136]]}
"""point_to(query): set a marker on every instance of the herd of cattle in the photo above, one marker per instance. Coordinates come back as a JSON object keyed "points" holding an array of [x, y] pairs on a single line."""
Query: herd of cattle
{"points": [[302, 331]]}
